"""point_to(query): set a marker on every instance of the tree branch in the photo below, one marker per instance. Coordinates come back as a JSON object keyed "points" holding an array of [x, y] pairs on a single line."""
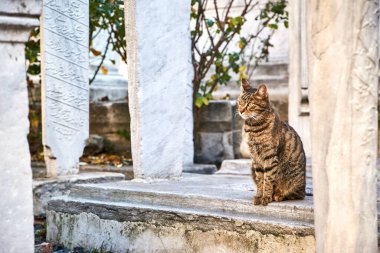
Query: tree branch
{"points": [[103, 57]]}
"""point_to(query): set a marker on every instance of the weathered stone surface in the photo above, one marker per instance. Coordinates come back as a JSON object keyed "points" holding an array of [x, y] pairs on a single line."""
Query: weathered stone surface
{"points": [[237, 124], [38, 169], [215, 133], [244, 148], [158, 50], [127, 171], [31, 9], [176, 236], [299, 109], [178, 216], [65, 101], [236, 166], [208, 148], [200, 168], [17, 18], [112, 121], [109, 117], [344, 80], [216, 116], [45, 189], [188, 152]]}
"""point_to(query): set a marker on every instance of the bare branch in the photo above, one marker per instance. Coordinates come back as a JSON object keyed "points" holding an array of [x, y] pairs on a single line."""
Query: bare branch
{"points": [[103, 58]]}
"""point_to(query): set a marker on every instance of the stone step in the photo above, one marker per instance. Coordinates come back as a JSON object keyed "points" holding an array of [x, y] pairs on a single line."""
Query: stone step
{"points": [[128, 211], [199, 213], [197, 192], [46, 188]]}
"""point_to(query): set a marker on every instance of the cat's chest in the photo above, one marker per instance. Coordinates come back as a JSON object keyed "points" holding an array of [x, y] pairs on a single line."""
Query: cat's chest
{"points": [[257, 149], [259, 144]]}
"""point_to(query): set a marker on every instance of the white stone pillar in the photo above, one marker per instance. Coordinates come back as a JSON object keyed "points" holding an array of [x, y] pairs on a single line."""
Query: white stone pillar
{"points": [[17, 18], [343, 78], [65, 89], [299, 111], [188, 151], [158, 52]]}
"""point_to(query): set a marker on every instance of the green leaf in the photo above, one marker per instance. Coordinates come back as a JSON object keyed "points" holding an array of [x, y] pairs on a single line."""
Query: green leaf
{"points": [[237, 21], [210, 22], [204, 100], [198, 102], [273, 26]]}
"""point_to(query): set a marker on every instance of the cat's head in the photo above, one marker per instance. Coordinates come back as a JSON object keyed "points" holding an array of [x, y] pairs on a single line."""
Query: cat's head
{"points": [[252, 102]]}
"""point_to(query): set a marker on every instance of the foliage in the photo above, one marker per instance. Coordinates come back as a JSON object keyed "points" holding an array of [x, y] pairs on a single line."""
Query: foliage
{"points": [[213, 55], [210, 55], [107, 15], [271, 17], [32, 52], [124, 133]]}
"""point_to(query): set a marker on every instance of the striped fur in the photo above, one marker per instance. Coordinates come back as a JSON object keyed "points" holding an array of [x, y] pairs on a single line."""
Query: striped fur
{"points": [[278, 158]]}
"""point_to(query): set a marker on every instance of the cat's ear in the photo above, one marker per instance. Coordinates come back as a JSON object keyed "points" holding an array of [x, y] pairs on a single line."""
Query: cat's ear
{"points": [[245, 84], [262, 90]]}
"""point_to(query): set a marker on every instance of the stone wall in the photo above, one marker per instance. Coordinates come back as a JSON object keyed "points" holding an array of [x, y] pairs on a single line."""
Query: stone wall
{"points": [[111, 120], [217, 129]]}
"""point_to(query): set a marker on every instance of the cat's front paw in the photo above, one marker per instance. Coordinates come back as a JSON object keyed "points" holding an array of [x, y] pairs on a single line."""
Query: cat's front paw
{"points": [[278, 197], [266, 200], [256, 200]]}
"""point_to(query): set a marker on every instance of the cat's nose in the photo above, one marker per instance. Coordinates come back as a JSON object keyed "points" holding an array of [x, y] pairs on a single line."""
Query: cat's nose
{"points": [[241, 110]]}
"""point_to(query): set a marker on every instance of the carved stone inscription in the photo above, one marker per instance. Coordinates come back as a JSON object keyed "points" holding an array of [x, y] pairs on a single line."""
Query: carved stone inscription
{"points": [[65, 90]]}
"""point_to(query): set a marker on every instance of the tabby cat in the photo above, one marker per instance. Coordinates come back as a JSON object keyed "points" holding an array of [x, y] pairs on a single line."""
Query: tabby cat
{"points": [[278, 158]]}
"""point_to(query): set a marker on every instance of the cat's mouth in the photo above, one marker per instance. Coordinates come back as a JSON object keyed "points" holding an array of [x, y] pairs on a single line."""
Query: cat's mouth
{"points": [[247, 116]]}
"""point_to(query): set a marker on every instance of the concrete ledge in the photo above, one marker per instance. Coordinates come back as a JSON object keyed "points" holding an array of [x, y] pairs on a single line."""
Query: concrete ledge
{"points": [[174, 216], [173, 232], [195, 168], [127, 171], [243, 167], [211, 193], [46, 188], [236, 167]]}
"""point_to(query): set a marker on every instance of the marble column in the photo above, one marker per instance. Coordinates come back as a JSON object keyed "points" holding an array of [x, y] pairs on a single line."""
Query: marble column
{"points": [[65, 83], [17, 18], [343, 74], [158, 52], [299, 111]]}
